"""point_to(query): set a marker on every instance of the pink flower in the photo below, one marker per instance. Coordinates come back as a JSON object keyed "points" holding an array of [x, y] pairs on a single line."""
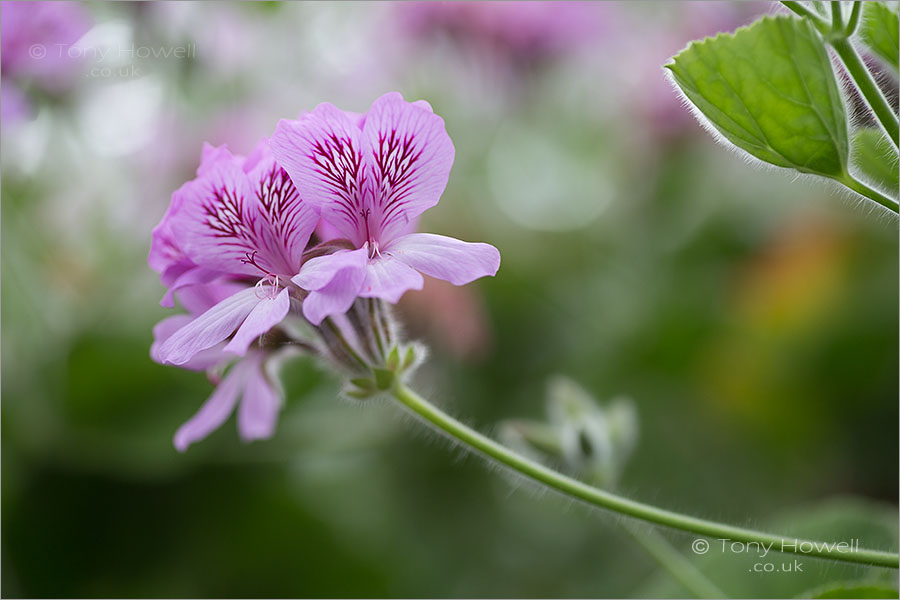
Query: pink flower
{"points": [[36, 38], [240, 219], [260, 400], [518, 31], [369, 176]]}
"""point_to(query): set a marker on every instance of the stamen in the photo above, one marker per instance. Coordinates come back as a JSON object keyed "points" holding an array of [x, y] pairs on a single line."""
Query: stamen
{"points": [[372, 249], [268, 287]]}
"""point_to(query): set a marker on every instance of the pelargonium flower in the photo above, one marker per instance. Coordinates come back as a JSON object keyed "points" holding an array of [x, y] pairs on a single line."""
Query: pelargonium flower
{"points": [[35, 39], [260, 399], [517, 31], [240, 219], [369, 176]]}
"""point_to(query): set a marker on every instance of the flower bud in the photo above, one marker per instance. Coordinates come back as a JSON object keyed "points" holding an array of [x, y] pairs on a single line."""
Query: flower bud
{"points": [[584, 438]]}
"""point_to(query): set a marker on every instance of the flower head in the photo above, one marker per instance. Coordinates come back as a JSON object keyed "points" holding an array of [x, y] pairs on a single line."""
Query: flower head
{"points": [[234, 248], [369, 176]]}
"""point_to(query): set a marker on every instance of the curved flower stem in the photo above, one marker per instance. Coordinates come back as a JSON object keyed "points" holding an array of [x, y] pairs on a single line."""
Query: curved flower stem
{"points": [[867, 87], [872, 194], [600, 498]]}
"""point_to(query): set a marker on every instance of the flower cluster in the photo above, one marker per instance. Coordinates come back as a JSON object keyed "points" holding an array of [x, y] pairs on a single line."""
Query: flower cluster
{"points": [[299, 245]]}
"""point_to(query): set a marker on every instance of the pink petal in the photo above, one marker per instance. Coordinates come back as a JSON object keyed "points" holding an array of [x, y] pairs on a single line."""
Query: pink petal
{"points": [[197, 299], [410, 156], [191, 277], [388, 278], [211, 156], [208, 329], [258, 412], [201, 361], [215, 226], [250, 223], [169, 276], [164, 251], [214, 411], [268, 313], [286, 221], [259, 152], [333, 282], [323, 153], [446, 258], [317, 272]]}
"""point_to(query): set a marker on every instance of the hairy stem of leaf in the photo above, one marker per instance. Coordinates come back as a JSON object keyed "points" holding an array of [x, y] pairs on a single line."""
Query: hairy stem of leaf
{"points": [[837, 23], [867, 87], [801, 10], [854, 19], [872, 194]]}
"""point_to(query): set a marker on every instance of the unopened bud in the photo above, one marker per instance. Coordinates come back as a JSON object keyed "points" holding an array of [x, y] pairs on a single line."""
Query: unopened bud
{"points": [[589, 440], [540, 440]]}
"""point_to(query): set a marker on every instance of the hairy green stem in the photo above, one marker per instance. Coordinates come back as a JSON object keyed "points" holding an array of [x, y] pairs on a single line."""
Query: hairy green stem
{"points": [[603, 499], [801, 10], [376, 326], [872, 194], [382, 310], [335, 331], [854, 19], [836, 17], [867, 87]]}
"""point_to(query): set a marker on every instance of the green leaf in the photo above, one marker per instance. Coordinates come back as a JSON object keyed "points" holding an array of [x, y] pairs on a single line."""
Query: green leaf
{"points": [[363, 383], [384, 378], [393, 359], [410, 358], [876, 159], [358, 393], [852, 589], [769, 89], [880, 30]]}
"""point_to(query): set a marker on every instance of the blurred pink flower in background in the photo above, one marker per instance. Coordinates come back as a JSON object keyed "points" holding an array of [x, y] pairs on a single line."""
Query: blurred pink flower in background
{"points": [[36, 47], [13, 102], [638, 70], [228, 30], [520, 32], [454, 317]]}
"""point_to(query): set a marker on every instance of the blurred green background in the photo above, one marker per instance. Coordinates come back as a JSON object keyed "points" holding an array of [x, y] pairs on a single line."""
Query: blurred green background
{"points": [[752, 318]]}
